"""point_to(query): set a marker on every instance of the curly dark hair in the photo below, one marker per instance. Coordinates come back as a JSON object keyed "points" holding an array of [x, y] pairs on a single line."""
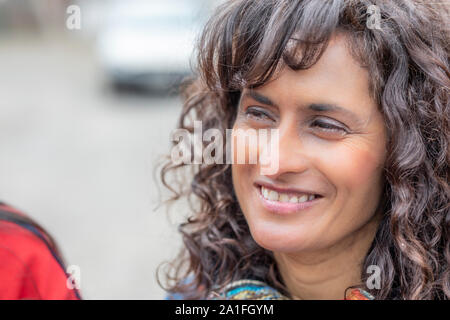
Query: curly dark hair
{"points": [[243, 45]]}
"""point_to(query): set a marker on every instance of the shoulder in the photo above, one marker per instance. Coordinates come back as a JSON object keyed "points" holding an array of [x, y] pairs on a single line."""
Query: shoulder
{"points": [[247, 290], [28, 267], [20, 243], [23, 241]]}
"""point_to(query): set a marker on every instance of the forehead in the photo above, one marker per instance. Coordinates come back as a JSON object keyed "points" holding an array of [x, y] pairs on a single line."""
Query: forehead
{"points": [[336, 78]]}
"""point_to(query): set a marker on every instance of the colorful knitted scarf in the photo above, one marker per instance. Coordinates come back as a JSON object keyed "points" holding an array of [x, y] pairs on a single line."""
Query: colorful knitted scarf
{"points": [[257, 290]]}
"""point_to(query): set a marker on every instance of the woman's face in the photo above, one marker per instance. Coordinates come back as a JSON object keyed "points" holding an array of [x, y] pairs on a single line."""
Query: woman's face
{"points": [[331, 143]]}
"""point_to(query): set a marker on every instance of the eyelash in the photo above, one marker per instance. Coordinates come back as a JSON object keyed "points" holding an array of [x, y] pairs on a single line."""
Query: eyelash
{"points": [[256, 113], [323, 125], [328, 127]]}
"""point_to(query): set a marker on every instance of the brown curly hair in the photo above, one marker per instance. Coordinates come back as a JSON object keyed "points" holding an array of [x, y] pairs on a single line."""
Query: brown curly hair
{"points": [[243, 45]]}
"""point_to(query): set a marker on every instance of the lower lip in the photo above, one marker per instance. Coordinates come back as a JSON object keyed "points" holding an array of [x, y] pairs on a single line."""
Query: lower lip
{"points": [[286, 208]]}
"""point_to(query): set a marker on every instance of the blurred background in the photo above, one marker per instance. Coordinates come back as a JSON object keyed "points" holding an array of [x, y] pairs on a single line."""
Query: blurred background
{"points": [[87, 106]]}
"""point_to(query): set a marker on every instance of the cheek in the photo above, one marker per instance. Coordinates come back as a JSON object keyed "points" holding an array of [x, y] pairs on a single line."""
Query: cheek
{"points": [[240, 169], [241, 175], [355, 168], [359, 167]]}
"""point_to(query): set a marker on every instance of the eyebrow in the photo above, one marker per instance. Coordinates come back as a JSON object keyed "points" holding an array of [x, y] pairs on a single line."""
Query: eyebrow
{"points": [[318, 107]]}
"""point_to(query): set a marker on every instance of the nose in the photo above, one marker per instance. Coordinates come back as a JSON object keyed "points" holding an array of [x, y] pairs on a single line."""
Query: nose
{"points": [[292, 156]]}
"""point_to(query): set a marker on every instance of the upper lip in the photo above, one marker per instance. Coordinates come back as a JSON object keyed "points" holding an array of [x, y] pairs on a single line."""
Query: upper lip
{"points": [[281, 189]]}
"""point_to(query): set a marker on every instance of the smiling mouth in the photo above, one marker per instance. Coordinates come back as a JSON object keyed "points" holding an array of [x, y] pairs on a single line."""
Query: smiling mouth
{"points": [[291, 197], [286, 202]]}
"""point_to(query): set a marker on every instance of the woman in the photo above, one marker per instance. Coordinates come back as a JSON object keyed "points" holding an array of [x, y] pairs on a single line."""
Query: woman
{"points": [[359, 96], [31, 266]]}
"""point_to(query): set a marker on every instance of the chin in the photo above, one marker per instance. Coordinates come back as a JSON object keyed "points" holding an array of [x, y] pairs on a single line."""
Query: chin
{"points": [[280, 241]]}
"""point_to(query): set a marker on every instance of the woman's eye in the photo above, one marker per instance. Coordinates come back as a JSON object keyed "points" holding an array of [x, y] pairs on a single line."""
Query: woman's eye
{"points": [[327, 127], [257, 114]]}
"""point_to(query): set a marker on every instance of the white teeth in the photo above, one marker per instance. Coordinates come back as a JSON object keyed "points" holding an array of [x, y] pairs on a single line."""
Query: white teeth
{"points": [[265, 192], [273, 195], [284, 197], [303, 198]]}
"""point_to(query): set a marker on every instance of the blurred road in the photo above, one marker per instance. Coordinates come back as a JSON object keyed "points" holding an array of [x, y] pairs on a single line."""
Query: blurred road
{"points": [[80, 160]]}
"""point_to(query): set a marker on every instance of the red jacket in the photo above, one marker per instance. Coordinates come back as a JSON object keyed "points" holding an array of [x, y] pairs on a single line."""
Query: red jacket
{"points": [[29, 268]]}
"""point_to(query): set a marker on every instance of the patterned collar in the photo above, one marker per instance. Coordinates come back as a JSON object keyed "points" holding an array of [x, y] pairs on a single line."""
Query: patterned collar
{"points": [[257, 290]]}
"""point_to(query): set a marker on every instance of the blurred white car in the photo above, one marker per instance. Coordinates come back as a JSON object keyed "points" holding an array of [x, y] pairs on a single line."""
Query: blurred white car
{"points": [[149, 43]]}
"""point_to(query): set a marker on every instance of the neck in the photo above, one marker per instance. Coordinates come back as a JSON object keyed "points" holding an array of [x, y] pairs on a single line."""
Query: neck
{"points": [[326, 273]]}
